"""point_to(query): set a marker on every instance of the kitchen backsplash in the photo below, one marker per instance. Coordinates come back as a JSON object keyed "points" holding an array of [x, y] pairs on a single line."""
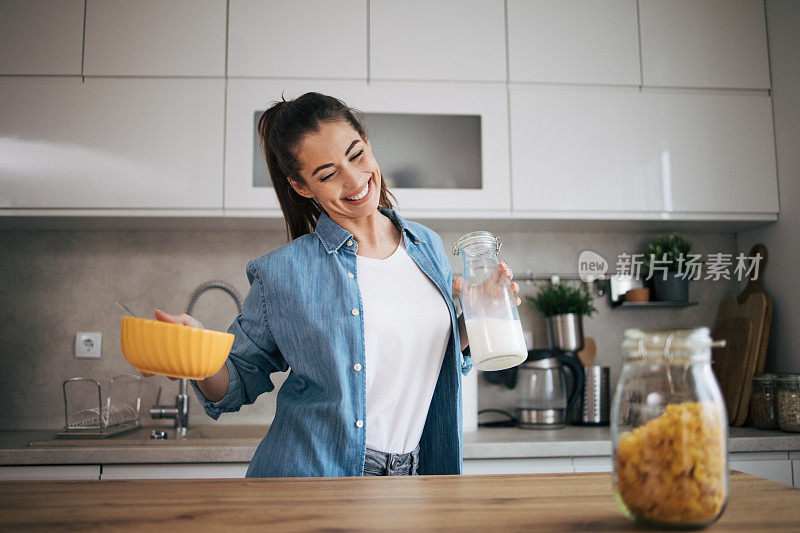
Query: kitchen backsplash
{"points": [[56, 283]]}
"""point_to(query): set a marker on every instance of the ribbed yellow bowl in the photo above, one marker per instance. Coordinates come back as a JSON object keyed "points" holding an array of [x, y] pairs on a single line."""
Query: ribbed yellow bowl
{"points": [[172, 349]]}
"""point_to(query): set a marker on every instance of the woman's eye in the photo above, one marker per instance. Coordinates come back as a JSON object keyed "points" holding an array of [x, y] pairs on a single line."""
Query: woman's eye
{"points": [[359, 154], [324, 178]]}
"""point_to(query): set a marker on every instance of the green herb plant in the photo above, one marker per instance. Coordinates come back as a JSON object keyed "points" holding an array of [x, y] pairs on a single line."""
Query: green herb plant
{"points": [[669, 248], [559, 299]]}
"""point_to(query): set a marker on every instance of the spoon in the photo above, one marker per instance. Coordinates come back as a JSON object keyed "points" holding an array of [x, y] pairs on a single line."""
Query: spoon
{"points": [[125, 308]]}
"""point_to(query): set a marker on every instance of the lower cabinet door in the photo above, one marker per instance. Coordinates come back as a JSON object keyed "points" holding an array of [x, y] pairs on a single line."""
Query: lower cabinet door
{"points": [[175, 471], [774, 466], [539, 465], [49, 472]]}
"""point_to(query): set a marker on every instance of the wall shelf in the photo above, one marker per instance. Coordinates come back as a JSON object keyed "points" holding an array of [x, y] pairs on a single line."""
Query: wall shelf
{"points": [[638, 305]]}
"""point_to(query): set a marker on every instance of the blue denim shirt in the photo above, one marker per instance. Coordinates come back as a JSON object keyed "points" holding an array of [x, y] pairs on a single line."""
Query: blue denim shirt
{"points": [[303, 313]]}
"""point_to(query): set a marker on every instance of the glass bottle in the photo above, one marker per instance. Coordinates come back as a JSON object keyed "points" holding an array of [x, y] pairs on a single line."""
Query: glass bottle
{"points": [[669, 430], [788, 393], [763, 408], [494, 329]]}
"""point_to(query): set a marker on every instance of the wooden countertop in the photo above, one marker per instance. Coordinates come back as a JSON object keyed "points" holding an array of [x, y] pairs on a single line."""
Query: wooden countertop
{"points": [[563, 502]]}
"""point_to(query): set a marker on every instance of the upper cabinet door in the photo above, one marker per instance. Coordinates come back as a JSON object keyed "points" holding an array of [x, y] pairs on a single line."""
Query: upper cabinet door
{"points": [[155, 38], [444, 40], [580, 151], [298, 39], [573, 41], [41, 37], [111, 143], [441, 149], [704, 43], [594, 153], [717, 151]]}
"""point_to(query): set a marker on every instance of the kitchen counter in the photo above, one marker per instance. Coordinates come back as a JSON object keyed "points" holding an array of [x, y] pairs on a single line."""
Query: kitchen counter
{"points": [[237, 444], [575, 502]]}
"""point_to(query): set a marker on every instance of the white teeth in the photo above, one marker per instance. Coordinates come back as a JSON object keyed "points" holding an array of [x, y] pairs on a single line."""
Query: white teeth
{"points": [[361, 195]]}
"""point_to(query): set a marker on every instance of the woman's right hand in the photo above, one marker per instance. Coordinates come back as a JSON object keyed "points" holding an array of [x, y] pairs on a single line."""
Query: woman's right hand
{"points": [[182, 319]]}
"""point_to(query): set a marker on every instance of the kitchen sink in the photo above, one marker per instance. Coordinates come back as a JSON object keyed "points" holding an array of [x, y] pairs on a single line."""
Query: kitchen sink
{"points": [[207, 434]]}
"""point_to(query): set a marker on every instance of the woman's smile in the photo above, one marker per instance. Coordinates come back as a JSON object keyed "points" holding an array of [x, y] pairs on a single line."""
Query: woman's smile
{"points": [[361, 196]]}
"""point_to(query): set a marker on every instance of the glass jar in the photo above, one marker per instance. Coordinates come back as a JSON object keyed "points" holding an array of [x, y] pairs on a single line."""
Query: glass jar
{"points": [[788, 393], [763, 408], [496, 341], [669, 430]]}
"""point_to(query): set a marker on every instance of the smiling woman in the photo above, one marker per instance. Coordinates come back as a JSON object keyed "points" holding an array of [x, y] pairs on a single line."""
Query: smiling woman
{"points": [[359, 304], [294, 141]]}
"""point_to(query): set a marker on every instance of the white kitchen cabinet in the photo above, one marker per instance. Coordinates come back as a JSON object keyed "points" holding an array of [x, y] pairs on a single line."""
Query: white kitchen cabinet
{"points": [[49, 472], [175, 471], [248, 191], [298, 39], [442, 40], [527, 465], [573, 41], [111, 143], [155, 38], [704, 43], [774, 466], [593, 464], [41, 37], [587, 153]]}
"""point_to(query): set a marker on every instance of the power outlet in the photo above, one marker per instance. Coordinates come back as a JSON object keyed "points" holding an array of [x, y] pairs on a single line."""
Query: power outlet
{"points": [[88, 344]]}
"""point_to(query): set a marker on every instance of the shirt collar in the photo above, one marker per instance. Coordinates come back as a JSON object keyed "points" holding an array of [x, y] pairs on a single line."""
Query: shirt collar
{"points": [[333, 236]]}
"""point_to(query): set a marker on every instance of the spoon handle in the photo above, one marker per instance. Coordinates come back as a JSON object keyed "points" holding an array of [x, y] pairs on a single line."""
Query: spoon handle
{"points": [[125, 308]]}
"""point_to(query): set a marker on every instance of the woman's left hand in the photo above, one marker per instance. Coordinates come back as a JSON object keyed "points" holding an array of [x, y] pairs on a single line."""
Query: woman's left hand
{"points": [[502, 270]]}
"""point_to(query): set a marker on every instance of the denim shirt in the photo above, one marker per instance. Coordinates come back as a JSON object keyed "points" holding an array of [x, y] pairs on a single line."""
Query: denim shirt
{"points": [[303, 313]]}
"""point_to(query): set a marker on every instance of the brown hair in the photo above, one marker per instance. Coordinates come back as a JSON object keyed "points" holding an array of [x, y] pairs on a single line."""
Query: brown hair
{"points": [[280, 128]]}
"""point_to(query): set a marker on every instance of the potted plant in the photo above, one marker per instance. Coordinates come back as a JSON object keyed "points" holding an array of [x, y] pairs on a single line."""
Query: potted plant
{"points": [[564, 308], [665, 258]]}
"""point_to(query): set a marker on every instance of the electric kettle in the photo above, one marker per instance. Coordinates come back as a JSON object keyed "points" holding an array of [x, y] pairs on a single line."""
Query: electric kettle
{"points": [[543, 401]]}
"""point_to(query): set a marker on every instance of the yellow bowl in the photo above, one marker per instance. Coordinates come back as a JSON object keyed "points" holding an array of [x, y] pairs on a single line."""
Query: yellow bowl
{"points": [[172, 349]]}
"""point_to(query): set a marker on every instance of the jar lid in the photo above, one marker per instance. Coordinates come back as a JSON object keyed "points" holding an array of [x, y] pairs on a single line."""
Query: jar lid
{"points": [[482, 238], [672, 344]]}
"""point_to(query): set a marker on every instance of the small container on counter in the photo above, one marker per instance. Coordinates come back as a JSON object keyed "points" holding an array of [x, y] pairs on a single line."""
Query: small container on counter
{"points": [[669, 430], [763, 405], [788, 395]]}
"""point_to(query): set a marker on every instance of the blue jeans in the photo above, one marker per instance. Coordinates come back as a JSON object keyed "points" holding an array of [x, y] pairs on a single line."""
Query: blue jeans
{"points": [[391, 464]]}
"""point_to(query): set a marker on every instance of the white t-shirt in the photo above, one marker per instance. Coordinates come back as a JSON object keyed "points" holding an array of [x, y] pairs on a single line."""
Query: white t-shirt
{"points": [[406, 329]]}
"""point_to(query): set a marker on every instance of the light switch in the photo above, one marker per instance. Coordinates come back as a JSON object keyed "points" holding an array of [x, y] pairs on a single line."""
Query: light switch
{"points": [[88, 344]]}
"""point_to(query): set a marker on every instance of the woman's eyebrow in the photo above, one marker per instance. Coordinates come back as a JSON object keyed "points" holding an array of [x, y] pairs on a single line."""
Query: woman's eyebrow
{"points": [[331, 164], [351, 147]]}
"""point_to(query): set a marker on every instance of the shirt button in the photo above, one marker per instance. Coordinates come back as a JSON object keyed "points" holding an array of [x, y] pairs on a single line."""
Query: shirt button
{"points": [[350, 275], [349, 243], [416, 242], [359, 423], [355, 312], [357, 367]]}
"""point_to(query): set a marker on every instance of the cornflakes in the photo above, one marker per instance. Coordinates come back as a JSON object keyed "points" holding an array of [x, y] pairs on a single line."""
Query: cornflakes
{"points": [[673, 469]]}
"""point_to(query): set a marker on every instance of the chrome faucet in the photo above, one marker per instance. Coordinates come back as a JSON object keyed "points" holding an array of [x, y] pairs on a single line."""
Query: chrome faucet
{"points": [[180, 411]]}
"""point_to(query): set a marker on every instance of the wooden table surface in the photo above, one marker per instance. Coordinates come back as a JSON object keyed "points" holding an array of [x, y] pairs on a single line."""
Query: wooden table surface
{"points": [[562, 502]]}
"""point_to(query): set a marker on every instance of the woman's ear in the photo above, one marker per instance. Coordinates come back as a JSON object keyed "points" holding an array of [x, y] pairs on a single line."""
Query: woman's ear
{"points": [[300, 188]]}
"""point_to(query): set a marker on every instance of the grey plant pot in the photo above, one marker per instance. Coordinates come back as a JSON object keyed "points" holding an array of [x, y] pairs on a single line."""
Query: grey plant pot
{"points": [[671, 289], [566, 332]]}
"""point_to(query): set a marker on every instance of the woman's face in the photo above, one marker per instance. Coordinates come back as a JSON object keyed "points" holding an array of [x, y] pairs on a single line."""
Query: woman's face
{"points": [[338, 169]]}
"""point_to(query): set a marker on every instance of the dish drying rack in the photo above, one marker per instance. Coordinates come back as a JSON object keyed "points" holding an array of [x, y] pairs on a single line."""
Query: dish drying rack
{"points": [[113, 418]]}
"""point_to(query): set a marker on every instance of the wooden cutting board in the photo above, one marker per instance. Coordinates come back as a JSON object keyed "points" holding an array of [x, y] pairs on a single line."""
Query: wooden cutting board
{"points": [[743, 321]]}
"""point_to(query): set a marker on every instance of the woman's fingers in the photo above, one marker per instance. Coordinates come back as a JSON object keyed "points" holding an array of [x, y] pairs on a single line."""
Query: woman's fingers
{"points": [[182, 319], [458, 287]]}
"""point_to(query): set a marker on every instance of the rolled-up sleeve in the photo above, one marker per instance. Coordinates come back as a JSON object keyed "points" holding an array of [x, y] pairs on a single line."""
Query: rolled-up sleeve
{"points": [[253, 357]]}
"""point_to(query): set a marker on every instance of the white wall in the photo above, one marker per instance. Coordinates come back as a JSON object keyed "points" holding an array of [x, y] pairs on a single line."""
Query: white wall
{"points": [[782, 239]]}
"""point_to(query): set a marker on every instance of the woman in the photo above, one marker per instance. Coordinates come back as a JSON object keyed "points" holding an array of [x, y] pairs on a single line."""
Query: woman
{"points": [[358, 305]]}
